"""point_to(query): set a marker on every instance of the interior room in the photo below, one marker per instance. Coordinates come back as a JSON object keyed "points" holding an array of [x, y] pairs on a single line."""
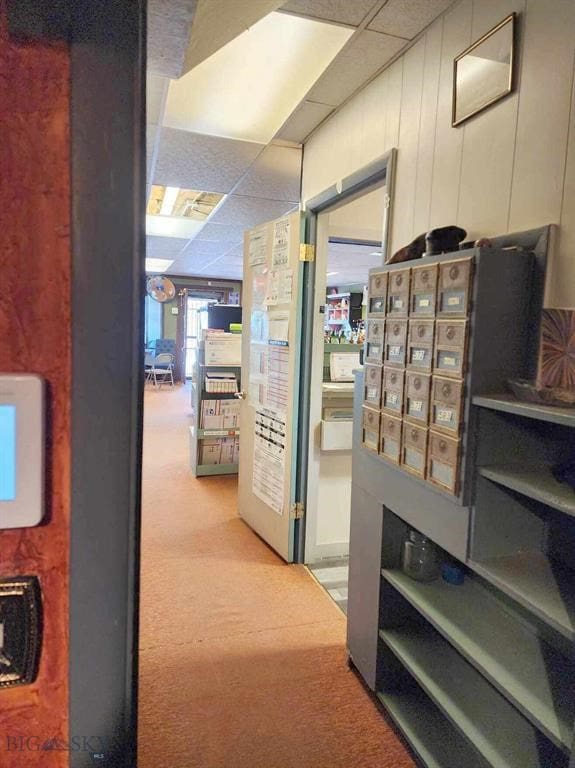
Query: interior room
{"points": [[287, 448]]}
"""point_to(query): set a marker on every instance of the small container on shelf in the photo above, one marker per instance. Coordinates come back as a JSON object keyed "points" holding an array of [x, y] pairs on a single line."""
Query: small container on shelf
{"points": [[446, 405], [420, 345], [414, 449], [370, 428], [374, 341], [398, 293], [420, 557], [373, 382], [450, 354], [392, 394], [395, 342], [443, 455], [423, 290], [390, 445], [377, 302], [416, 407], [454, 292]]}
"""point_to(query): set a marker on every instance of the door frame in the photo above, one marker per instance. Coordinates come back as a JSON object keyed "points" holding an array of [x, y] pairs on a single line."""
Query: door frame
{"points": [[382, 169]]}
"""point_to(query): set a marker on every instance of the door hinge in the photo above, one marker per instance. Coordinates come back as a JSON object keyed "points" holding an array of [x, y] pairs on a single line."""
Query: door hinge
{"points": [[306, 252], [297, 510]]}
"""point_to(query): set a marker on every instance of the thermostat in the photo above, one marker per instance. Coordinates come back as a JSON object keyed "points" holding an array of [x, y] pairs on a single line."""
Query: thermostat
{"points": [[21, 450]]}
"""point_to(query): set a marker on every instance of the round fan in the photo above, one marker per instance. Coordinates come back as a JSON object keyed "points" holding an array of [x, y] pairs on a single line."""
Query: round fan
{"points": [[160, 288]]}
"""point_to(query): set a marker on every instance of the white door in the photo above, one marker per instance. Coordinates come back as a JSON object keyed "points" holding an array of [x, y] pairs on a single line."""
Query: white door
{"points": [[271, 335]]}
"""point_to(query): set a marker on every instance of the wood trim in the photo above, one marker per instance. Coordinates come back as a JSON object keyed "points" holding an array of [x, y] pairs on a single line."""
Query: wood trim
{"points": [[35, 328]]}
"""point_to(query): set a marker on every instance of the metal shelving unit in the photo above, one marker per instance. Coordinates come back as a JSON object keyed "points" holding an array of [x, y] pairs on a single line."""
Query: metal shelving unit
{"points": [[197, 433]]}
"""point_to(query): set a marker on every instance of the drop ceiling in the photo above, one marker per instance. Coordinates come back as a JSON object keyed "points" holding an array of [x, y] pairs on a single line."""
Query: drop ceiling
{"points": [[202, 135]]}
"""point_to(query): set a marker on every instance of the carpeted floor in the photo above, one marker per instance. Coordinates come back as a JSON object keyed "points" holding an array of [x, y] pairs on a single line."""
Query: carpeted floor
{"points": [[243, 660]]}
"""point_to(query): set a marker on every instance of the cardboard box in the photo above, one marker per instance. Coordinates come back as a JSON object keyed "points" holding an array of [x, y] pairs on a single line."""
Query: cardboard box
{"points": [[211, 451], [227, 450]]}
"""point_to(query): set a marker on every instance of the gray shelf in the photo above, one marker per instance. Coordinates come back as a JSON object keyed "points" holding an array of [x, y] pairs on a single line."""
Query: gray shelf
{"points": [[216, 469], [531, 579], [531, 674], [431, 736], [495, 728], [534, 481], [509, 404]]}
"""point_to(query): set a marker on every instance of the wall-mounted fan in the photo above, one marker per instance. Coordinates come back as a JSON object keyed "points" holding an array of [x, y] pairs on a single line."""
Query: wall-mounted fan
{"points": [[160, 288]]}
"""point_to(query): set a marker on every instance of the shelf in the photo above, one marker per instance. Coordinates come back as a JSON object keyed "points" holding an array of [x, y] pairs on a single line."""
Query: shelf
{"points": [[218, 433], [216, 469], [220, 366], [544, 588], [217, 395], [534, 481], [495, 728], [509, 404], [429, 733], [336, 322], [524, 668], [337, 296]]}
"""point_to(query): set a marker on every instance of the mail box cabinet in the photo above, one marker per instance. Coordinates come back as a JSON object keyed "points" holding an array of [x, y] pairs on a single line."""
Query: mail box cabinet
{"points": [[392, 395], [398, 293], [374, 340], [446, 405], [372, 387], [454, 293], [423, 290], [377, 294], [416, 400], [443, 457], [449, 358], [370, 428], [414, 449], [395, 342], [390, 444], [420, 339]]}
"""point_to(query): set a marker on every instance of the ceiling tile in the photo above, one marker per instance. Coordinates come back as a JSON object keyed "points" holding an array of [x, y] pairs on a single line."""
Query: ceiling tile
{"points": [[156, 90], [303, 120], [361, 58], [275, 175], [169, 29], [406, 18], [207, 248], [342, 11], [163, 247], [233, 232], [207, 163], [248, 212]]}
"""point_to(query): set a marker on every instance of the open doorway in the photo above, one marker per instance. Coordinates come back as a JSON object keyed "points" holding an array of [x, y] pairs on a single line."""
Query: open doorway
{"points": [[196, 322], [348, 245]]}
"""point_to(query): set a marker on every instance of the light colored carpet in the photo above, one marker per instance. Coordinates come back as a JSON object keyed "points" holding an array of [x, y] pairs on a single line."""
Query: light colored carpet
{"points": [[243, 660]]}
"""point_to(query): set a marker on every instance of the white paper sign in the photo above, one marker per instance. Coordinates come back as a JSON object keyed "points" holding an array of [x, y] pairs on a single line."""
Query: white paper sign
{"points": [[269, 458], [258, 241], [279, 327], [280, 246], [342, 366]]}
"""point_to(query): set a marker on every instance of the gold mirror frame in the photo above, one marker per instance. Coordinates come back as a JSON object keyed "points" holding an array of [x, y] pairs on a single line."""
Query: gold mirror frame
{"points": [[511, 19]]}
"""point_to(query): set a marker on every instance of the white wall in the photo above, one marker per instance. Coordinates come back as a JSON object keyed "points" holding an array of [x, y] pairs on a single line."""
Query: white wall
{"points": [[508, 169]]}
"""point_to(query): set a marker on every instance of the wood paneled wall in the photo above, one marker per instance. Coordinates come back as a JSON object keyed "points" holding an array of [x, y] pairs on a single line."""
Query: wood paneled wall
{"points": [[35, 273], [508, 169]]}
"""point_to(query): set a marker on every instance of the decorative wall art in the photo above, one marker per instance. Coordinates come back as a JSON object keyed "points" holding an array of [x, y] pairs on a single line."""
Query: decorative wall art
{"points": [[483, 73]]}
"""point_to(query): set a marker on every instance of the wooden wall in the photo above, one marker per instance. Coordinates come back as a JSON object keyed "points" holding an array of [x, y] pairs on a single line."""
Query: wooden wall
{"points": [[509, 169], [35, 272]]}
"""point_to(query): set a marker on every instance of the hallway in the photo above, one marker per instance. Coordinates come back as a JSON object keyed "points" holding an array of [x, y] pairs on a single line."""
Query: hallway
{"points": [[243, 659]]}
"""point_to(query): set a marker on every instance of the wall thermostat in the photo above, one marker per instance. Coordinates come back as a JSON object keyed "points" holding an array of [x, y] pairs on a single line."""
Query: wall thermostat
{"points": [[21, 450]]}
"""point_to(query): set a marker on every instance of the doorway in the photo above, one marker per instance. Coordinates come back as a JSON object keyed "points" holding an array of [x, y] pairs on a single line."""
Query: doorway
{"points": [[196, 322]]}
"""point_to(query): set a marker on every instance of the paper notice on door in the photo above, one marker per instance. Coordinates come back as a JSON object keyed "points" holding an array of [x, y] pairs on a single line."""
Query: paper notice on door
{"points": [[258, 374], [280, 245], [279, 287], [269, 458], [272, 291], [277, 379], [259, 326], [259, 286], [257, 247], [279, 328]]}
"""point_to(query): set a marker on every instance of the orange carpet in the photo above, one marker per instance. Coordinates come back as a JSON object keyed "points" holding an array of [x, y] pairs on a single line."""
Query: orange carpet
{"points": [[243, 660]]}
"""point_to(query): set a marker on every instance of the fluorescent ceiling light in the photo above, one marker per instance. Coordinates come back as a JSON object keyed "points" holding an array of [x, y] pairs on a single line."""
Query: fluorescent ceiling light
{"points": [[248, 88], [158, 265], [172, 226], [330, 274], [375, 253], [170, 195], [183, 203]]}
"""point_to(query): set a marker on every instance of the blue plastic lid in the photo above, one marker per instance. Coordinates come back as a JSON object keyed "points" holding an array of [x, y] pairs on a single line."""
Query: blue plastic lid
{"points": [[452, 574]]}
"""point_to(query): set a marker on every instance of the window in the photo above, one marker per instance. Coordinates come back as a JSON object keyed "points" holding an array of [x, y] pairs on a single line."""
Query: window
{"points": [[153, 320]]}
